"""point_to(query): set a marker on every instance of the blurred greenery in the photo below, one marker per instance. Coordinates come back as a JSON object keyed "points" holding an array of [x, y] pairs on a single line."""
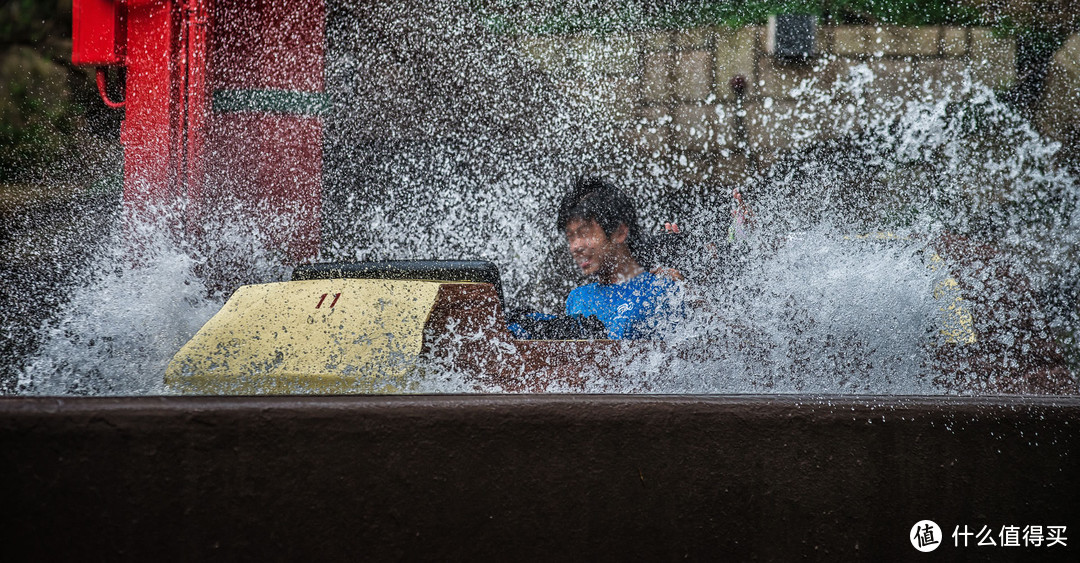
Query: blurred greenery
{"points": [[49, 111], [34, 22]]}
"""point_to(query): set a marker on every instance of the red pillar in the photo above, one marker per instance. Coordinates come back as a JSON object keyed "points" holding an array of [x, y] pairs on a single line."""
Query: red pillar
{"points": [[266, 62], [223, 106], [152, 131]]}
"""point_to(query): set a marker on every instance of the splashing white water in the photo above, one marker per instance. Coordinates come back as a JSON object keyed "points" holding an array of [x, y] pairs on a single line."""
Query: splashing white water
{"points": [[412, 172], [133, 309]]}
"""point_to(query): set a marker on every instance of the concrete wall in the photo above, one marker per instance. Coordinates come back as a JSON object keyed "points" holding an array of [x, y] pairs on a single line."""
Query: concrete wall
{"points": [[671, 92], [506, 478]]}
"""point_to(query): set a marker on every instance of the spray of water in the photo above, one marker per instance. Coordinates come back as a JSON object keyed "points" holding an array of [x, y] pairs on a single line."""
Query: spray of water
{"points": [[136, 303], [445, 140]]}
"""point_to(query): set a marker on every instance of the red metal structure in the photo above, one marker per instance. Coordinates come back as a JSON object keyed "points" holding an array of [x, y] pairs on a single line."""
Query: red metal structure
{"points": [[223, 101]]}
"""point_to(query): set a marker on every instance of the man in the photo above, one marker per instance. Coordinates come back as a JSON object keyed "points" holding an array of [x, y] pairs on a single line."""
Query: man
{"points": [[600, 224]]}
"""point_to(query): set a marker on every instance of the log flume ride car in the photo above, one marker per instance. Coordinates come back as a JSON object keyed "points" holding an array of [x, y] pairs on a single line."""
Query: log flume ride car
{"points": [[375, 328]]}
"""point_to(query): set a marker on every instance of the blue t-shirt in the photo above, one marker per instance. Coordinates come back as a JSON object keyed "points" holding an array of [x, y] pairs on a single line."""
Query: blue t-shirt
{"points": [[630, 309]]}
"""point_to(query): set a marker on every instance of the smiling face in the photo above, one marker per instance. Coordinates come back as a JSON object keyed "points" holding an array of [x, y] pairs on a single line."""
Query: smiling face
{"points": [[594, 251]]}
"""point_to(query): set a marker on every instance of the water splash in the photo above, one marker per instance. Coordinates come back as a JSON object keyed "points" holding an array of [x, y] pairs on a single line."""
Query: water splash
{"points": [[142, 298], [447, 141]]}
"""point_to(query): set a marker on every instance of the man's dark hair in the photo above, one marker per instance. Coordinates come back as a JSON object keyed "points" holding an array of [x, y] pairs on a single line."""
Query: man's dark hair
{"points": [[599, 200]]}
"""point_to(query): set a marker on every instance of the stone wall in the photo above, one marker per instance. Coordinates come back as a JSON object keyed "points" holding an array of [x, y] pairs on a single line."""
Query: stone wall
{"points": [[674, 94]]}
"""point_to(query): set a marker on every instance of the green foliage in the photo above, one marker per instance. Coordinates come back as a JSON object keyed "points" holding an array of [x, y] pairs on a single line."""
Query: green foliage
{"points": [[42, 119], [39, 125], [34, 22]]}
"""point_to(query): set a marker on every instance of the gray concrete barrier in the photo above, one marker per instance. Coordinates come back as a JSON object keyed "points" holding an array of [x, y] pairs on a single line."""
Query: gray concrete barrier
{"points": [[531, 477]]}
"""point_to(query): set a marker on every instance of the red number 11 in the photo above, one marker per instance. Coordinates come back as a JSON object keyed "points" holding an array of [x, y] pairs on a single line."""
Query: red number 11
{"points": [[332, 303]]}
